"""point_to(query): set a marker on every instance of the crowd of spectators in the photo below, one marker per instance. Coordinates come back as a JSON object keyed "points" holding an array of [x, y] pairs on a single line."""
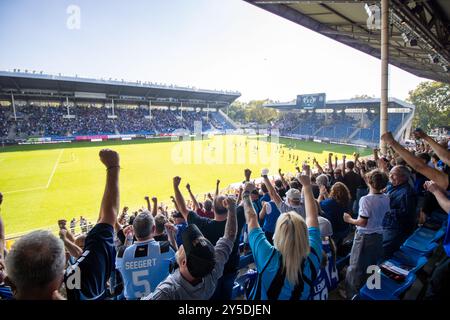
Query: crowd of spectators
{"points": [[292, 225], [92, 120]]}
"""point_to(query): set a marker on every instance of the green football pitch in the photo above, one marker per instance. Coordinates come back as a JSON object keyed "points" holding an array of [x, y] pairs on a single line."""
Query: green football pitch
{"points": [[44, 183]]}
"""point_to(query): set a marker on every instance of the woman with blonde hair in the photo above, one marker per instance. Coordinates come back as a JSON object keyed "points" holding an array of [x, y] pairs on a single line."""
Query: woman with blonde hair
{"points": [[287, 269], [334, 207]]}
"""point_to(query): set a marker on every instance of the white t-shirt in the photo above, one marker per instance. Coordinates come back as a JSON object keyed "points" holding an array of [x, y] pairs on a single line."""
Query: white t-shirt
{"points": [[373, 207]]}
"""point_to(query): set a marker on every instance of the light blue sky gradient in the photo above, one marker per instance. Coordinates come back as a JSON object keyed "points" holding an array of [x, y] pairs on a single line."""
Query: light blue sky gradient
{"points": [[213, 44]]}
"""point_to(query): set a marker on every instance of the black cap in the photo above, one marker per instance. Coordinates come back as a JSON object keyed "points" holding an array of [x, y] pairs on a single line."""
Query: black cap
{"points": [[200, 253], [177, 214]]}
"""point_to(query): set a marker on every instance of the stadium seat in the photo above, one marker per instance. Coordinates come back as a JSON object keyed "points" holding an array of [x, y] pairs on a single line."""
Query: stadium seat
{"points": [[424, 239], [389, 289], [439, 217], [244, 283]]}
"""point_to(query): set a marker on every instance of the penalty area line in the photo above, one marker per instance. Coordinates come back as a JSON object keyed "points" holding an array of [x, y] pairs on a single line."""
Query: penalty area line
{"points": [[48, 182], [54, 169], [24, 190]]}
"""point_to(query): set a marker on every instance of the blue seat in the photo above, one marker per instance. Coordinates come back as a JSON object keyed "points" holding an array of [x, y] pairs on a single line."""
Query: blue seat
{"points": [[389, 289], [428, 234], [424, 240], [439, 217], [409, 257], [422, 247], [242, 282]]}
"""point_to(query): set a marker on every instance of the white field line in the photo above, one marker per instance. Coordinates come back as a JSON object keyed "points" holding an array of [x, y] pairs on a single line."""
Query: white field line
{"points": [[23, 190], [48, 182], [54, 169]]}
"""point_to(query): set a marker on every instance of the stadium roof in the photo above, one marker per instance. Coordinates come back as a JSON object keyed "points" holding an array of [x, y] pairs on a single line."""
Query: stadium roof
{"points": [[425, 22], [342, 104], [22, 82]]}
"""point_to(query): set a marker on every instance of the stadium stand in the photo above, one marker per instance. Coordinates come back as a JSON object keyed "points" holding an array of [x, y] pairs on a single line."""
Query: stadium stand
{"points": [[343, 121], [83, 108]]}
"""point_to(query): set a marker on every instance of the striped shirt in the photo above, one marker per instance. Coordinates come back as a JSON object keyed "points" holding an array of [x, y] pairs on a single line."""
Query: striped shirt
{"points": [[262, 251]]}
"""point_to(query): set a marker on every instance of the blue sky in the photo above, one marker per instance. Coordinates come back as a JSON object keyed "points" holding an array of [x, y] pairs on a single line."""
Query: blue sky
{"points": [[213, 44]]}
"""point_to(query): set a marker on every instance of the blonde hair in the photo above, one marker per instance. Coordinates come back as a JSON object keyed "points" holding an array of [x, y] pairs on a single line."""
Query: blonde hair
{"points": [[291, 239]]}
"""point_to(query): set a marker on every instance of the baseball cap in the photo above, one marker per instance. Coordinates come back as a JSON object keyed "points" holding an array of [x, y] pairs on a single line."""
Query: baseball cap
{"points": [[293, 194], [326, 230], [200, 253], [177, 214]]}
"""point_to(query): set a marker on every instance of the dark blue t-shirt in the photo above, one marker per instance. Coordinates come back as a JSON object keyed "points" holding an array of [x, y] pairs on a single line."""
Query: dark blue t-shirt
{"points": [[334, 212], [94, 265]]}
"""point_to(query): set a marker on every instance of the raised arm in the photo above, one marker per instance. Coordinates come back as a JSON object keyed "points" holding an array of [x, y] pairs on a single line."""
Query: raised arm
{"points": [[241, 190], [318, 166], [175, 203], [344, 157], [111, 197], [263, 211], [171, 232], [330, 163], [310, 203], [74, 250], [147, 201], [179, 197], [247, 174], [375, 154], [155, 206], [442, 152], [231, 224], [416, 163], [217, 188], [272, 192], [440, 195], [193, 198], [283, 180], [250, 214]]}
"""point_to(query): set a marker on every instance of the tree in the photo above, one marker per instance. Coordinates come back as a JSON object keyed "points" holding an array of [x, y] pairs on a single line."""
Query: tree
{"points": [[432, 101], [252, 111]]}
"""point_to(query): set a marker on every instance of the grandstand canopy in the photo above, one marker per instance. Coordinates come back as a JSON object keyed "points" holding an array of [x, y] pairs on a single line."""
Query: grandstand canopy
{"points": [[373, 104], [419, 36], [49, 86]]}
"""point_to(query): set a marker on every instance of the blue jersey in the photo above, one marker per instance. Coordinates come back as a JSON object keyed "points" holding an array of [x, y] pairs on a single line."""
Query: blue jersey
{"points": [[268, 258], [143, 266], [328, 277], [272, 214], [180, 229]]}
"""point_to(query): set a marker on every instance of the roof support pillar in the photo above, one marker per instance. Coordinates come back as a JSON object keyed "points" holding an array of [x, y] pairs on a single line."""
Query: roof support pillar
{"points": [[67, 105], [14, 106], [384, 71]]}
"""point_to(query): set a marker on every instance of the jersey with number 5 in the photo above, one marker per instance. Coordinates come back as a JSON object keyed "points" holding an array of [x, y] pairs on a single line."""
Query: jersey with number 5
{"points": [[143, 266]]}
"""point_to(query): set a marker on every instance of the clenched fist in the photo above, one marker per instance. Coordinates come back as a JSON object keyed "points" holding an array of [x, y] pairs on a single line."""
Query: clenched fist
{"points": [[176, 181], [304, 180], [109, 158]]}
